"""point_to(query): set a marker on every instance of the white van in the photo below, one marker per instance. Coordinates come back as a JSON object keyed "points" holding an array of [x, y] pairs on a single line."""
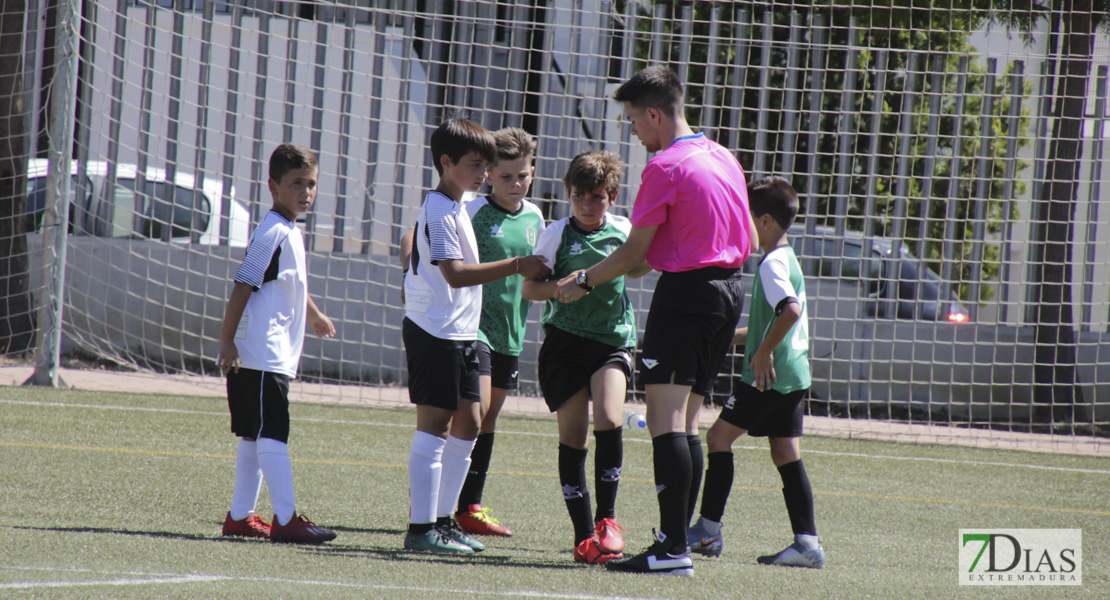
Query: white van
{"points": [[177, 212]]}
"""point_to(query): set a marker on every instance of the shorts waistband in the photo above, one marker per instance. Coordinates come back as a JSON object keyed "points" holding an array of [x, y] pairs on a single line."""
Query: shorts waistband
{"points": [[704, 274]]}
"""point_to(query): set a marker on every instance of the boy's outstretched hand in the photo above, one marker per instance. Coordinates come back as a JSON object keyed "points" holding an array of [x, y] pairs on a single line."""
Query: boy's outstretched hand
{"points": [[533, 267]]}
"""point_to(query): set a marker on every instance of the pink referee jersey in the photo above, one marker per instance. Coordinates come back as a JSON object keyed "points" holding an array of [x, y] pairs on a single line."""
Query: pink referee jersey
{"points": [[696, 193]]}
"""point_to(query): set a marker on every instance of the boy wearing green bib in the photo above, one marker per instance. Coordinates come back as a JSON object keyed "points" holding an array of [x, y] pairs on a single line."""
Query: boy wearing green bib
{"points": [[775, 376], [506, 225], [587, 351]]}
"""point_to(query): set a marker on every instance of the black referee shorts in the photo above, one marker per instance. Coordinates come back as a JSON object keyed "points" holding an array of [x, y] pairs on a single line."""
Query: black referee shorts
{"points": [[690, 326], [259, 404]]}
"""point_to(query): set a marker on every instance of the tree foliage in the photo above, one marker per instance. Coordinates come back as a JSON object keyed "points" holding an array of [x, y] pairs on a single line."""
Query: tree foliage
{"points": [[860, 31]]}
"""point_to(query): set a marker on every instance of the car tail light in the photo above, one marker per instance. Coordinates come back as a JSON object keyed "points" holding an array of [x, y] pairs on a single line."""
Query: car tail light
{"points": [[955, 317]]}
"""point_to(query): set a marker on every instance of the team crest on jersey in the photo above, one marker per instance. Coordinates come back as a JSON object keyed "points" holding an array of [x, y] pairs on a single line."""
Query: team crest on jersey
{"points": [[530, 233], [575, 249], [495, 231]]}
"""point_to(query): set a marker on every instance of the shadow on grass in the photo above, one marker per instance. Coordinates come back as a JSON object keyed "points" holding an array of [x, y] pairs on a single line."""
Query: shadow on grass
{"points": [[398, 554], [393, 554], [342, 529], [172, 535], [375, 530]]}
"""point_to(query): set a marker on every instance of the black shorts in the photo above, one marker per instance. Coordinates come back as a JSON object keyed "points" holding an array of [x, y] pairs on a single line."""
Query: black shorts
{"points": [[567, 362], [501, 368], [764, 414], [259, 404], [690, 326], [441, 372]]}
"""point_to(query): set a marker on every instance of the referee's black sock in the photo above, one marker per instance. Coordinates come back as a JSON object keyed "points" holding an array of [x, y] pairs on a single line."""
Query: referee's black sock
{"points": [[572, 476], [718, 483], [608, 459], [672, 485], [476, 477], [697, 469], [799, 498]]}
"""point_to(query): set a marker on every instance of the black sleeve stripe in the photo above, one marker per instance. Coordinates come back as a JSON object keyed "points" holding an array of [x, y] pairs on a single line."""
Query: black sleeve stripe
{"points": [[414, 254], [272, 270], [784, 303], [428, 236]]}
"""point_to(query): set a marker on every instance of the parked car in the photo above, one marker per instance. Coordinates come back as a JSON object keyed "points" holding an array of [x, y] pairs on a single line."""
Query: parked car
{"points": [[176, 211], [902, 287], [883, 343]]}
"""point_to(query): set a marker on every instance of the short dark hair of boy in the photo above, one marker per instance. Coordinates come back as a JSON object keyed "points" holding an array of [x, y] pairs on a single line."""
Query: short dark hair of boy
{"points": [[513, 143], [458, 137], [287, 157], [654, 87], [592, 169], [776, 197]]}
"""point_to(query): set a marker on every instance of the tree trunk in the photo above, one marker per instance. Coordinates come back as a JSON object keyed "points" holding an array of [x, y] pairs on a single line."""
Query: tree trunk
{"points": [[17, 323], [1055, 385]]}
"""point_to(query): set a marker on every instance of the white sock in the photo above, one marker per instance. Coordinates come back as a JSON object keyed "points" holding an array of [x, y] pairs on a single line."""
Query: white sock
{"points": [[425, 465], [248, 480], [809, 542], [711, 527], [273, 457], [456, 464]]}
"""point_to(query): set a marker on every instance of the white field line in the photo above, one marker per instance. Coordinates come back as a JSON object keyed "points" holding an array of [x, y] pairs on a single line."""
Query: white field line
{"points": [[628, 438], [160, 578], [24, 585]]}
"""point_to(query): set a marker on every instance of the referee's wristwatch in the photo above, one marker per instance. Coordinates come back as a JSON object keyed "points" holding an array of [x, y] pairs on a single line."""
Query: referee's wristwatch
{"points": [[581, 281]]}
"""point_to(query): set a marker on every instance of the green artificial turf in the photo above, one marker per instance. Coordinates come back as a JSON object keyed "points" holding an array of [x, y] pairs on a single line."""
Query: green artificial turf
{"points": [[123, 495]]}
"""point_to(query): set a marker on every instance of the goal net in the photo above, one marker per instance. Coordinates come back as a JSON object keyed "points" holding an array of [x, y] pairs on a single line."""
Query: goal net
{"points": [[949, 163]]}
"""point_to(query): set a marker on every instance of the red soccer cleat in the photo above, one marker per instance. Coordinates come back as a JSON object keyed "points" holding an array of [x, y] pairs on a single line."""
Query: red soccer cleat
{"points": [[299, 530], [609, 538], [587, 551], [477, 521], [253, 526]]}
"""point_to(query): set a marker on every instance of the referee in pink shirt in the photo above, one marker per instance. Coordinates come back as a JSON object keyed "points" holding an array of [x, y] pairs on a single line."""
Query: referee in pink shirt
{"points": [[690, 221]]}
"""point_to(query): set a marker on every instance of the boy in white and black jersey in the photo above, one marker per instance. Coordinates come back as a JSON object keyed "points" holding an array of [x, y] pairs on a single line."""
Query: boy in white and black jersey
{"points": [[260, 350], [443, 305]]}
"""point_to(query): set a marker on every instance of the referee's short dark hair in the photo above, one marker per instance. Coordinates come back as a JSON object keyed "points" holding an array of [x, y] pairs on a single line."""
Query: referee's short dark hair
{"points": [[776, 197], [458, 137], [654, 87], [287, 157]]}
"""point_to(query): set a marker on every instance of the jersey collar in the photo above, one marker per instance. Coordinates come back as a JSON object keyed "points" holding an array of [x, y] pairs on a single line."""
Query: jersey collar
{"points": [[684, 138]]}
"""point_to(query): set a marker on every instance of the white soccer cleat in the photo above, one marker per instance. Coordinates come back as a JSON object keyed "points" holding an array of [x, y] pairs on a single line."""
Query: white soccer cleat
{"points": [[795, 555], [703, 542]]}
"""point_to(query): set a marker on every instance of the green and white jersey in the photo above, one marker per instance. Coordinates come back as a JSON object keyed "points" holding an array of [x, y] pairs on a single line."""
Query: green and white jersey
{"points": [[605, 314], [500, 235], [779, 282]]}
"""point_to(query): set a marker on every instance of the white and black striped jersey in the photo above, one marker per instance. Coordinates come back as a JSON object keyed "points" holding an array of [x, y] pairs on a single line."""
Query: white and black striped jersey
{"points": [[443, 232], [271, 332]]}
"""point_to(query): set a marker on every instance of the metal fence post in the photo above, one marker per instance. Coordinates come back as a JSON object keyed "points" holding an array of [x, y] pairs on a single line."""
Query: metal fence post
{"points": [[63, 106]]}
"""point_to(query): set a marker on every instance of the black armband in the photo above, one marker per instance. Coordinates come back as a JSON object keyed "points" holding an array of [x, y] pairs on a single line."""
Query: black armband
{"points": [[784, 303]]}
